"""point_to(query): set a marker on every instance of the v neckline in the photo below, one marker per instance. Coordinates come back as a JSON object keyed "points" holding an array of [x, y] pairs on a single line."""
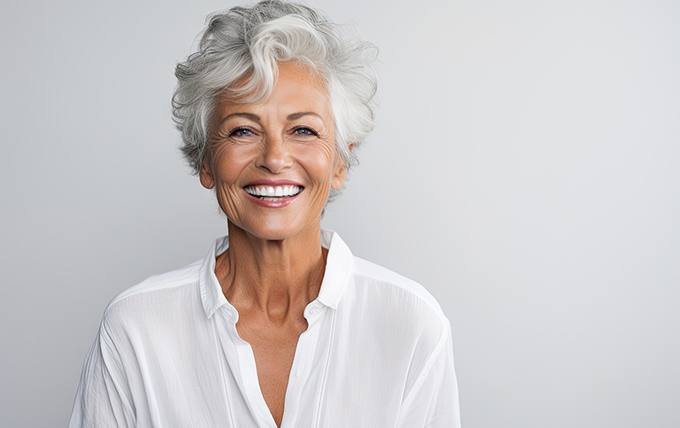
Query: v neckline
{"points": [[299, 372]]}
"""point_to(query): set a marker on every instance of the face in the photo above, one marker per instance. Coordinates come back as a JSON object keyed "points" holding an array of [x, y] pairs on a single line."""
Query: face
{"points": [[287, 137]]}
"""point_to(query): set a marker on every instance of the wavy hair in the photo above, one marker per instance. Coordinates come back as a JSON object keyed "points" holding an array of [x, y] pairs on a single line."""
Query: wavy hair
{"points": [[247, 42]]}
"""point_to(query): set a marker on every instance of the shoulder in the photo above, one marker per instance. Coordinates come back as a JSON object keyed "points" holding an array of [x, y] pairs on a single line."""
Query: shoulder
{"points": [[409, 320], [152, 296], [403, 303], [369, 272], [159, 283]]}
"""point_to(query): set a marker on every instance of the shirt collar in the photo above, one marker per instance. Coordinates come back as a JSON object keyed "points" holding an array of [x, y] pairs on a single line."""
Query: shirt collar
{"points": [[339, 266]]}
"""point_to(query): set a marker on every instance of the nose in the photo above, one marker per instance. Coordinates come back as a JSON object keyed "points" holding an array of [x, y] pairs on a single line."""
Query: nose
{"points": [[274, 155]]}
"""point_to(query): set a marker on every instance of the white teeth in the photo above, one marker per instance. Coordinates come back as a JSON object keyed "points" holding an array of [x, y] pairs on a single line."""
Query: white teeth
{"points": [[273, 191]]}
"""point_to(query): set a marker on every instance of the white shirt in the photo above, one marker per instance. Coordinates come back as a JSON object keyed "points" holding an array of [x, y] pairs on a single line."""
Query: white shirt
{"points": [[377, 353]]}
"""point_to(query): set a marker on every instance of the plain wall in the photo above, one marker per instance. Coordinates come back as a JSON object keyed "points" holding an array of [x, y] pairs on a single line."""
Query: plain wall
{"points": [[524, 168]]}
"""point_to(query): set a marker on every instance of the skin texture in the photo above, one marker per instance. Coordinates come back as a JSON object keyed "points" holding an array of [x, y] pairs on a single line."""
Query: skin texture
{"points": [[275, 262]]}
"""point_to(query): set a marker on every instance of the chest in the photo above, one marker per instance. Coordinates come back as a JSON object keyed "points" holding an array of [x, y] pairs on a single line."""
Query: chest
{"points": [[274, 351]]}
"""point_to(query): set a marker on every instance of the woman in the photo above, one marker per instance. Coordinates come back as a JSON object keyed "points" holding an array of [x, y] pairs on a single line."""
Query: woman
{"points": [[279, 325]]}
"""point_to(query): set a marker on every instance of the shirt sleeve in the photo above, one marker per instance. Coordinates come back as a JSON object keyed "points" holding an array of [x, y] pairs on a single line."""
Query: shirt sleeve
{"points": [[433, 402], [102, 397]]}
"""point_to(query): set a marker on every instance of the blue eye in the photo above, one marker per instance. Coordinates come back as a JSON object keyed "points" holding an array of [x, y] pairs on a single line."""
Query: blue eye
{"points": [[237, 132], [308, 131]]}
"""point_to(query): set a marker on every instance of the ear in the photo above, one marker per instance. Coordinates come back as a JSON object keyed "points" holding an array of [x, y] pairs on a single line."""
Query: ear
{"points": [[205, 175], [340, 172]]}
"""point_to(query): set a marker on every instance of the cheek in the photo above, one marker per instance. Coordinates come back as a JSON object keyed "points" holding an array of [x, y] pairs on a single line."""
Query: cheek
{"points": [[230, 161], [317, 161]]}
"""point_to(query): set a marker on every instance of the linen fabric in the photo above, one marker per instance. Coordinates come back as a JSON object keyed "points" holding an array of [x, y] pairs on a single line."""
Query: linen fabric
{"points": [[378, 352]]}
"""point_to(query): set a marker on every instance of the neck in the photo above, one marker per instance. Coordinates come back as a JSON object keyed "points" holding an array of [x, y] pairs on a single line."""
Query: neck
{"points": [[272, 278]]}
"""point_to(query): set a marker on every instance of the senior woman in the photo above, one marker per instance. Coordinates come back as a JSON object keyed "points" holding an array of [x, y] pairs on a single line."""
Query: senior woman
{"points": [[279, 325]]}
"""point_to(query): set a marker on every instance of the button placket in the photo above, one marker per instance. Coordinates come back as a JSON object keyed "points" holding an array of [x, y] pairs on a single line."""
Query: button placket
{"points": [[304, 355]]}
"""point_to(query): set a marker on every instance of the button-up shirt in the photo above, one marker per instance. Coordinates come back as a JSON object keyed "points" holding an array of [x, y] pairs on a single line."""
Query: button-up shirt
{"points": [[377, 353]]}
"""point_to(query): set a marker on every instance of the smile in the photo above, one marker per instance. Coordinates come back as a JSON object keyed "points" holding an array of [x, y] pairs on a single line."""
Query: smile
{"points": [[273, 196], [273, 191]]}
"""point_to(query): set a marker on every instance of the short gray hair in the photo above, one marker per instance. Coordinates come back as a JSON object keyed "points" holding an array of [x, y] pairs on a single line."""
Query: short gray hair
{"points": [[242, 42]]}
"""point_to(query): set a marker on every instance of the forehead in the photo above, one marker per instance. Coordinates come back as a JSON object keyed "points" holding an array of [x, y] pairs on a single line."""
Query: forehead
{"points": [[297, 88]]}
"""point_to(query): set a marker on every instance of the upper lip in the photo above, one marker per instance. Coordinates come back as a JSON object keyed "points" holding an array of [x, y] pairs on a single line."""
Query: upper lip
{"points": [[265, 182]]}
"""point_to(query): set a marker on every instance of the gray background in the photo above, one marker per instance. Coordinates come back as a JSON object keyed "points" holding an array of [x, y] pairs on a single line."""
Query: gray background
{"points": [[523, 168]]}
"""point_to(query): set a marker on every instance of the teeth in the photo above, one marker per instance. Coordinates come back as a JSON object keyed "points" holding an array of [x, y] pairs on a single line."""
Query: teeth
{"points": [[273, 191]]}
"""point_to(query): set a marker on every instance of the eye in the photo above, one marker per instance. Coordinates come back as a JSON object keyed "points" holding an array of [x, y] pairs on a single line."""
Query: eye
{"points": [[305, 131], [240, 132]]}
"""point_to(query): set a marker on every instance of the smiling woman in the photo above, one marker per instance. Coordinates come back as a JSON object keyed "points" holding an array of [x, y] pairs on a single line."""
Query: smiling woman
{"points": [[256, 149], [279, 324]]}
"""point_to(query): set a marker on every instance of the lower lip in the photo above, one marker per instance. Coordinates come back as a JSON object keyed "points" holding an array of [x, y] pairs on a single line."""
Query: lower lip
{"points": [[273, 203]]}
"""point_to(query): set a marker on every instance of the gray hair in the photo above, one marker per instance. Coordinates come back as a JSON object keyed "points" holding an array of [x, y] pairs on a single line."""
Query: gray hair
{"points": [[248, 42]]}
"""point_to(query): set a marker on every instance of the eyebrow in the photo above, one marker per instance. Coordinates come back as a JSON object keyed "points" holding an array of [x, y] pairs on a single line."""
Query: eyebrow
{"points": [[256, 118]]}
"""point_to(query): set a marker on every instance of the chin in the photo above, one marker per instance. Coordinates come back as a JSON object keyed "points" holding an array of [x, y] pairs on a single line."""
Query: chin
{"points": [[274, 231]]}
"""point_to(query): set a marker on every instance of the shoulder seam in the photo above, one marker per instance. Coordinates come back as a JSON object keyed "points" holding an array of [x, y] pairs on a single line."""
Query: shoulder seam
{"points": [[107, 337], [432, 303], [124, 295], [427, 368]]}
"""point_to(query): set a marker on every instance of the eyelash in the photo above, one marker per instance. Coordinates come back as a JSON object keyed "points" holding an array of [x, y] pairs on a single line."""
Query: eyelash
{"points": [[231, 134], [304, 127], [312, 132]]}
